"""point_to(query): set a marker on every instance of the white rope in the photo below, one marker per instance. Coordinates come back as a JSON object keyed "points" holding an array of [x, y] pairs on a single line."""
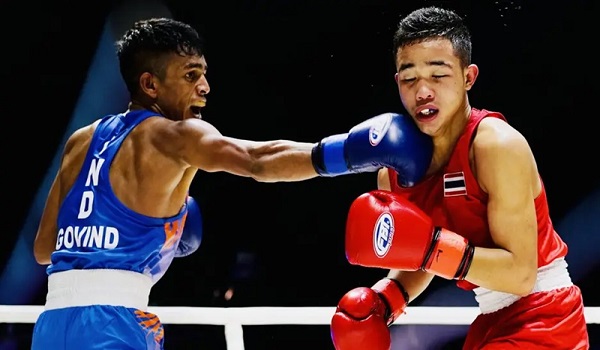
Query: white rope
{"points": [[236, 317], [251, 316]]}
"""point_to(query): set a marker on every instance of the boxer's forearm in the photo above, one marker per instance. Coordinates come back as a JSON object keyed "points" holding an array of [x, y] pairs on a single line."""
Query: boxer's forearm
{"points": [[282, 160], [414, 282], [500, 270]]}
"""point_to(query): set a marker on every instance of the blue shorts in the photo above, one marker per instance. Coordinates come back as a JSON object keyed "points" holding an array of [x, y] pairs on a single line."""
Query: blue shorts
{"points": [[97, 327]]}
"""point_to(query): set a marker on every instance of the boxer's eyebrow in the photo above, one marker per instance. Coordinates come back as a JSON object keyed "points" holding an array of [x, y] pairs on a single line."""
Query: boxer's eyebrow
{"points": [[440, 63], [405, 66], [196, 65]]}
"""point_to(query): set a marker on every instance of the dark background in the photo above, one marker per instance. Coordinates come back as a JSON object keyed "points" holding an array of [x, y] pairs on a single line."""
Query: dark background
{"points": [[298, 70]]}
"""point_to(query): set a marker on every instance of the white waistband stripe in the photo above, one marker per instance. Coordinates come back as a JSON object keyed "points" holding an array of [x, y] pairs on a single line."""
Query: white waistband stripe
{"points": [[98, 287], [550, 277]]}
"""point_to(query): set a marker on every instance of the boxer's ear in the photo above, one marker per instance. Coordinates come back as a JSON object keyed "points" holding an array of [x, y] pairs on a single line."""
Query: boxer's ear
{"points": [[471, 73], [148, 85]]}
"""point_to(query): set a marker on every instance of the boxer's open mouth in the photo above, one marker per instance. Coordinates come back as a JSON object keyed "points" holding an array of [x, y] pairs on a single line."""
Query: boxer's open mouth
{"points": [[427, 113], [196, 111]]}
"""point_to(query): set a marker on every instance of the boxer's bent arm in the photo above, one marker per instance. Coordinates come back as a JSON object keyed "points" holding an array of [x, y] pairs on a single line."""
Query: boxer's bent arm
{"points": [[73, 155], [414, 282], [45, 238], [506, 170], [201, 145]]}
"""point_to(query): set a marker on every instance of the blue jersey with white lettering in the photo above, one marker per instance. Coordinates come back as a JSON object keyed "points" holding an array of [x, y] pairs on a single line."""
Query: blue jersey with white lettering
{"points": [[96, 230]]}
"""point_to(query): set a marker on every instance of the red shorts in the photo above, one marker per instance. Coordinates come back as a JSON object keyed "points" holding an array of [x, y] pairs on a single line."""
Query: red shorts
{"points": [[546, 320]]}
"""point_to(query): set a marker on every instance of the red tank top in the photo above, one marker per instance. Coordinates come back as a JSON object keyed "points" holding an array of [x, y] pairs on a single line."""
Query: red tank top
{"points": [[454, 200]]}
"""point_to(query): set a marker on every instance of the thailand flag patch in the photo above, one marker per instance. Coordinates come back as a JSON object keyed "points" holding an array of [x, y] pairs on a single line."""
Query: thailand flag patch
{"points": [[454, 184]]}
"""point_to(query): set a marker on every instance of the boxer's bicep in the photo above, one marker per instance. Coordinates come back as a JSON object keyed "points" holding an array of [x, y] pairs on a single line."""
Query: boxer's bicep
{"points": [[199, 144], [505, 167]]}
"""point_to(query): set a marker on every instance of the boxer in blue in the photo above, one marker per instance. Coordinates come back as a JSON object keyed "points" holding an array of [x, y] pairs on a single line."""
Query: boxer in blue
{"points": [[118, 211]]}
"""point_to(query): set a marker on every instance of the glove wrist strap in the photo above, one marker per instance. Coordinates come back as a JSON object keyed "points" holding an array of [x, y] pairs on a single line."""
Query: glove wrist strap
{"points": [[394, 296], [450, 255], [328, 156]]}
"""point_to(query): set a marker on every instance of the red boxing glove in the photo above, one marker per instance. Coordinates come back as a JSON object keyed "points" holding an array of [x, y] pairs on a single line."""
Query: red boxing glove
{"points": [[363, 315], [385, 230]]}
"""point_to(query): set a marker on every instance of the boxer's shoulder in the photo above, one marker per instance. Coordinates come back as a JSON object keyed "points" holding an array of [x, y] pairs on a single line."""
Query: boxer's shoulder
{"points": [[495, 137]]}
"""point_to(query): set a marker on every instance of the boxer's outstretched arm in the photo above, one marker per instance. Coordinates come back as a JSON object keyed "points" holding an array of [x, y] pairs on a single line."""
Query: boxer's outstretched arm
{"points": [[199, 144], [386, 140], [277, 160]]}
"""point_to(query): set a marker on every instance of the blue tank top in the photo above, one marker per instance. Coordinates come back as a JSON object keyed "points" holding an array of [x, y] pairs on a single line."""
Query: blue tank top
{"points": [[96, 230]]}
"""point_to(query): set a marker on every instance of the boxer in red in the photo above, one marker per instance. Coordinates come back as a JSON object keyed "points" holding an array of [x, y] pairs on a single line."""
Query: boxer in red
{"points": [[480, 216]]}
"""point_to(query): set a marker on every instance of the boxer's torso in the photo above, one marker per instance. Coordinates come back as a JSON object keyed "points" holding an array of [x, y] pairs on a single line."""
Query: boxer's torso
{"points": [[454, 200], [96, 230]]}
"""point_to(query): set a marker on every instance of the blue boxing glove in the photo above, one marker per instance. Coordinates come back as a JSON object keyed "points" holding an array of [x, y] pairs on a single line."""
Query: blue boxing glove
{"points": [[191, 237], [388, 140]]}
